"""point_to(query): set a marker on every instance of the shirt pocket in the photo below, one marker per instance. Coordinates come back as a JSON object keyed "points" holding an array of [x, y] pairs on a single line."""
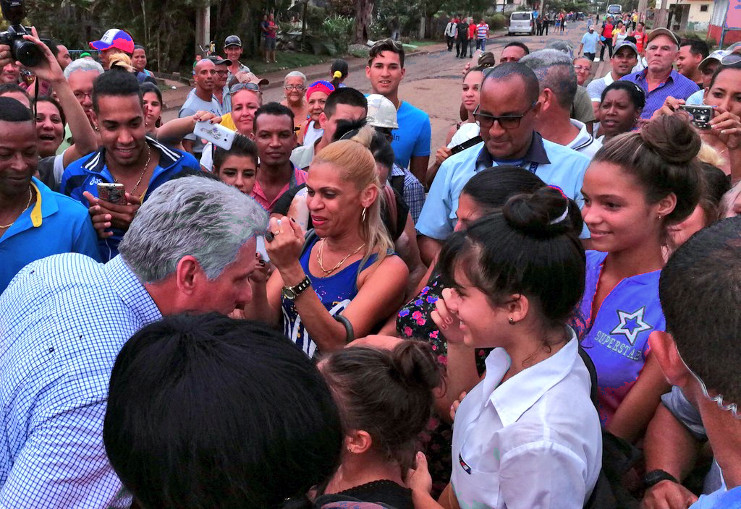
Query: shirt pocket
{"points": [[477, 486]]}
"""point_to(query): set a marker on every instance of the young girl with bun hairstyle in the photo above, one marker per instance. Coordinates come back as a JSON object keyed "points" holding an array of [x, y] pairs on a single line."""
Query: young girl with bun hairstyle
{"points": [[528, 434], [385, 399], [638, 184]]}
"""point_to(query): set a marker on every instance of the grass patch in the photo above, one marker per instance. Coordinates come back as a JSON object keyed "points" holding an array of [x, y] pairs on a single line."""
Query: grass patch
{"points": [[423, 43], [286, 60]]}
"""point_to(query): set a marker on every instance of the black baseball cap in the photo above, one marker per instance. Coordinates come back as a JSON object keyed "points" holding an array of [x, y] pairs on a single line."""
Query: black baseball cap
{"points": [[232, 40], [217, 60]]}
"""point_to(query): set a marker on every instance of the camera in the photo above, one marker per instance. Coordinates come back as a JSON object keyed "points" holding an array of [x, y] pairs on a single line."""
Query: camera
{"points": [[25, 52]]}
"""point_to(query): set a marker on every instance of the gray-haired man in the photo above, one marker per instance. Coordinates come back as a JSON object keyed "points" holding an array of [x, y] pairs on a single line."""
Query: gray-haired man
{"points": [[190, 248], [80, 75]]}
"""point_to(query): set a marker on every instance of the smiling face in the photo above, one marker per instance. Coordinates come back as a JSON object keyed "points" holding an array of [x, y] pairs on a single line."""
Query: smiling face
{"points": [[275, 139], [244, 105], [726, 91], [294, 88], [623, 61], [470, 95], [139, 59], [81, 83], [582, 68], [334, 204], [661, 53], [616, 211], [10, 73], [385, 73], [238, 171], [617, 113], [49, 128], [317, 100], [687, 62], [233, 53], [122, 130], [18, 157]]}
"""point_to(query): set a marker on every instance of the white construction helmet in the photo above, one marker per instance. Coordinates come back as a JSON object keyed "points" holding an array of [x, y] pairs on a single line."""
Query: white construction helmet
{"points": [[381, 112]]}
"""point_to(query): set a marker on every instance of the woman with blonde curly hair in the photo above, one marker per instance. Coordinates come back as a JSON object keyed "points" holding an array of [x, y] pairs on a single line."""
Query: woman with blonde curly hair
{"points": [[343, 278]]}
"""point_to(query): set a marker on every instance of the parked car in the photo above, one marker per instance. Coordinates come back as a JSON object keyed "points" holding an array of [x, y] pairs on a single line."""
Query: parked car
{"points": [[614, 9], [521, 22]]}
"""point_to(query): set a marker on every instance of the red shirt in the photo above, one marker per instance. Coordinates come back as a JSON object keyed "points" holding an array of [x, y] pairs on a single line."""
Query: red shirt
{"points": [[472, 30], [607, 32]]}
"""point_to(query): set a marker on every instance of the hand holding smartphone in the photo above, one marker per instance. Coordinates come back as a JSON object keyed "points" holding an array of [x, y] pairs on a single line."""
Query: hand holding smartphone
{"points": [[112, 192]]}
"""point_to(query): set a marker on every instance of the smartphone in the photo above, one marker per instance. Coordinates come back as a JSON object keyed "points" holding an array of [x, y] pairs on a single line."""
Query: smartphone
{"points": [[701, 115], [260, 248], [112, 192], [466, 144], [215, 133]]}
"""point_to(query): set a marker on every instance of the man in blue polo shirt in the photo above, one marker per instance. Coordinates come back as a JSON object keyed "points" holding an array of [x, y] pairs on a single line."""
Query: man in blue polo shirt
{"points": [[411, 141], [659, 80], [507, 115], [35, 222], [127, 156]]}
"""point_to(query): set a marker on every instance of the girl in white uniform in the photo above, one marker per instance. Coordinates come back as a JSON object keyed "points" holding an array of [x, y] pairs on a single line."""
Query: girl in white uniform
{"points": [[528, 435]]}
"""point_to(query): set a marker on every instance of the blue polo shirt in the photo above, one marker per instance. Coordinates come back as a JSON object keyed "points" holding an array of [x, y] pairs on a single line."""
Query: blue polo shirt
{"points": [[412, 138], [556, 165], [589, 40], [55, 224], [86, 173], [676, 86]]}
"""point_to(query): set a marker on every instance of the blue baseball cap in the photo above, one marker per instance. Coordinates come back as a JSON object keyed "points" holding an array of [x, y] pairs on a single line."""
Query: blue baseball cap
{"points": [[115, 38]]}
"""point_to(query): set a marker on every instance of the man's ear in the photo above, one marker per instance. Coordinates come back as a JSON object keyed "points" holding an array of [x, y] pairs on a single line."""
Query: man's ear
{"points": [[188, 274], [322, 120], [664, 348]]}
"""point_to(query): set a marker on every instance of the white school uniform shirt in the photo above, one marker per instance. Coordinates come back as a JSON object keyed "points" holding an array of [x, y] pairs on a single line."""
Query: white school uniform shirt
{"points": [[532, 442]]}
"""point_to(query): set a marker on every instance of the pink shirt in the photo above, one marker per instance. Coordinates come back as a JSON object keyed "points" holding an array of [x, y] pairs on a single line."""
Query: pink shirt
{"points": [[298, 178]]}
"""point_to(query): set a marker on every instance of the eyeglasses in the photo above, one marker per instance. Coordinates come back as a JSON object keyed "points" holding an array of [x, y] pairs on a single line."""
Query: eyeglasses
{"points": [[222, 73], [82, 95], [485, 121], [300, 88], [254, 87]]}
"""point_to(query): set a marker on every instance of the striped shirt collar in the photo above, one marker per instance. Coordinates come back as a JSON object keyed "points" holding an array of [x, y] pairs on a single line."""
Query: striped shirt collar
{"points": [[168, 156]]}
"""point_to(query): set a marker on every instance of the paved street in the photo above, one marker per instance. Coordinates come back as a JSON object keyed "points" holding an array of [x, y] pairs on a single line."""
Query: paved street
{"points": [[433, 79]]}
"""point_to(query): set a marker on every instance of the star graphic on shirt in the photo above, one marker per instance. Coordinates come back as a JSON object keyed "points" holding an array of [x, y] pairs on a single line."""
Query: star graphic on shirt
{"points": [[631, 324]]}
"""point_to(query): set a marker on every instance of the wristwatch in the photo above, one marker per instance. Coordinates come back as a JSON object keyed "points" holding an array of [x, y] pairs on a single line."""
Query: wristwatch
{"points": [[291, 292], [656, 476]]}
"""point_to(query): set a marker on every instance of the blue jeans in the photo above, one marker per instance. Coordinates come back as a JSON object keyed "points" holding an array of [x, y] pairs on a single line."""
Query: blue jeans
{"points": [[481, 44]]}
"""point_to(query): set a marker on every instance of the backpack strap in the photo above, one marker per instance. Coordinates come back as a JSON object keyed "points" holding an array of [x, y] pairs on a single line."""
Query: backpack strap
{"points": [[592, 374]]}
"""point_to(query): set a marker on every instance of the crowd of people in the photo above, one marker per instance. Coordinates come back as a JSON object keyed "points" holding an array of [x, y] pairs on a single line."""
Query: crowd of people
{"points": [[308, 312]]}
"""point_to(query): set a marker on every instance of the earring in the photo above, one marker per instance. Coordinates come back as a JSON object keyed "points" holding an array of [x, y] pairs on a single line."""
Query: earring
{"points": [[511, 321], [363, 214], [660, 217]]}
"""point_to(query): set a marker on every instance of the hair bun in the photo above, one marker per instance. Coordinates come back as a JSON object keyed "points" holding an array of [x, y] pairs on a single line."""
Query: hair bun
{"points": [[416, 365], [672, 138], [544, 213]]}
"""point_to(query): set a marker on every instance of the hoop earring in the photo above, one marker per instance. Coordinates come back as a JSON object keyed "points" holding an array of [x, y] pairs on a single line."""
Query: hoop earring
{"points": [[363, 214]]}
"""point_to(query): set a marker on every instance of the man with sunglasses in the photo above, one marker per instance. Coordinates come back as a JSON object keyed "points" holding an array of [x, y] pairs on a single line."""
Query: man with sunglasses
{"points": [[201, 98], [411, 141], [507, 116]]}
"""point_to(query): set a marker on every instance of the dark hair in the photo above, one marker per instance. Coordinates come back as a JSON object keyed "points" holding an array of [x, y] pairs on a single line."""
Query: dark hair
{"points": [[635, 93], [344, 95], [630, 38], [52, 44], [386, 45], [475, 68], [346, 129], [272, 108], [6, 88], [720, 69], [715, 185], [509, 70], [662, 158], [51, 100], [491, 187], [341, 66], [697, 47], [147, 87], [207, 411], [519, 45], [381, 150], [241, 146], [700, 292], [11, 110], [138, 46], [116, 83], [387, 393], [532, 248]]}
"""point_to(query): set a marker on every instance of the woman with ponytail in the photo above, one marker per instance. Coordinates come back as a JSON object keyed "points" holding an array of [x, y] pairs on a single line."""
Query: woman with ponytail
{"points": [[638, 185], [343, 279], [339, 72], [528, 434]]}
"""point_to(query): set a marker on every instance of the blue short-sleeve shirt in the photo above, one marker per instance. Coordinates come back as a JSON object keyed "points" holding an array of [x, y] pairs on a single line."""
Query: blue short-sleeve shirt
{"points": [[412, 138]]}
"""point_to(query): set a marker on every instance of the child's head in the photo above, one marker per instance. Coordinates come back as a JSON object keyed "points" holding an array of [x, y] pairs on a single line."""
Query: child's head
{"points": [[237, 166], [641, 182], [531, 249], [384, 396]]}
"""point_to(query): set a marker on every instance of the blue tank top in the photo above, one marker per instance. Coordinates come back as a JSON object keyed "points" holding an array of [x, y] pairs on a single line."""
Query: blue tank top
{"points": [[335, 291], [616, 336]]}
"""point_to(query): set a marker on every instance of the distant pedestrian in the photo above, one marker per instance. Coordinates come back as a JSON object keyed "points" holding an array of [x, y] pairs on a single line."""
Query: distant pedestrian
{"points": [[539, 25], [450, 32], [546, 23], [482, 34], [471, 36], [461, 42]]}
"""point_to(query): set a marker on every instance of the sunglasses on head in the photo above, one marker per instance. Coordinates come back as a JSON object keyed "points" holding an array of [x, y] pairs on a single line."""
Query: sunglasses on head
{"points": [[254, 87]]}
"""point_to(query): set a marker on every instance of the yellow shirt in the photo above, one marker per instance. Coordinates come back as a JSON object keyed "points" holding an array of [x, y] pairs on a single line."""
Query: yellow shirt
{"points": [[226, 121]]}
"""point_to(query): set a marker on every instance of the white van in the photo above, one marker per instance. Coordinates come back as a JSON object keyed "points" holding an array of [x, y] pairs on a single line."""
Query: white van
{"points": [[521, 22]]}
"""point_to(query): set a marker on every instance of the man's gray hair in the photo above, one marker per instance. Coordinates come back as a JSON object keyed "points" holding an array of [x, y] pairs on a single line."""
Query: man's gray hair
{"points": [[295, 74], [82, 64], [555, 71], [195, 216]]}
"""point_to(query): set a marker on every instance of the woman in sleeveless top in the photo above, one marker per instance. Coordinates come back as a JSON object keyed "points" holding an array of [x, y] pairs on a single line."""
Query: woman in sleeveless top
{"points": [[343, 279]]}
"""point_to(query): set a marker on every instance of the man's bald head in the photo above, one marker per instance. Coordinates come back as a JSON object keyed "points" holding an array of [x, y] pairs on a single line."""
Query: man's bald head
{"points": [[204, 75]]}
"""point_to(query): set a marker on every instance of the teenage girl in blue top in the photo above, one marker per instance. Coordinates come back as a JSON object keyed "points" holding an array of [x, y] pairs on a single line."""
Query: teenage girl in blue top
{"points": [[343, 279], [638, 184]]}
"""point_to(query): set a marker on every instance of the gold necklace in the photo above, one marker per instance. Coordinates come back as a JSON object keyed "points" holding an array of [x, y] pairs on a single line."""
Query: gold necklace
{"points": [[319, 257], [144, 170], [30, 197]]}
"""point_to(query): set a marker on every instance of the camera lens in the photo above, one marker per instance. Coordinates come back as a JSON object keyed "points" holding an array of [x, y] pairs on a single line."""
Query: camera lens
{"points": [[26, 53]]}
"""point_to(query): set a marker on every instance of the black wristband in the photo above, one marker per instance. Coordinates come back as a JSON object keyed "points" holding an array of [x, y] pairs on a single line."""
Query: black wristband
{"points": [[349, 331], [654, 477]]}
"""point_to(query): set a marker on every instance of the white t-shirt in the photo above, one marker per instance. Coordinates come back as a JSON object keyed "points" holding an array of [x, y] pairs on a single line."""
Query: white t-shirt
{"points": [[313, 133]]}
